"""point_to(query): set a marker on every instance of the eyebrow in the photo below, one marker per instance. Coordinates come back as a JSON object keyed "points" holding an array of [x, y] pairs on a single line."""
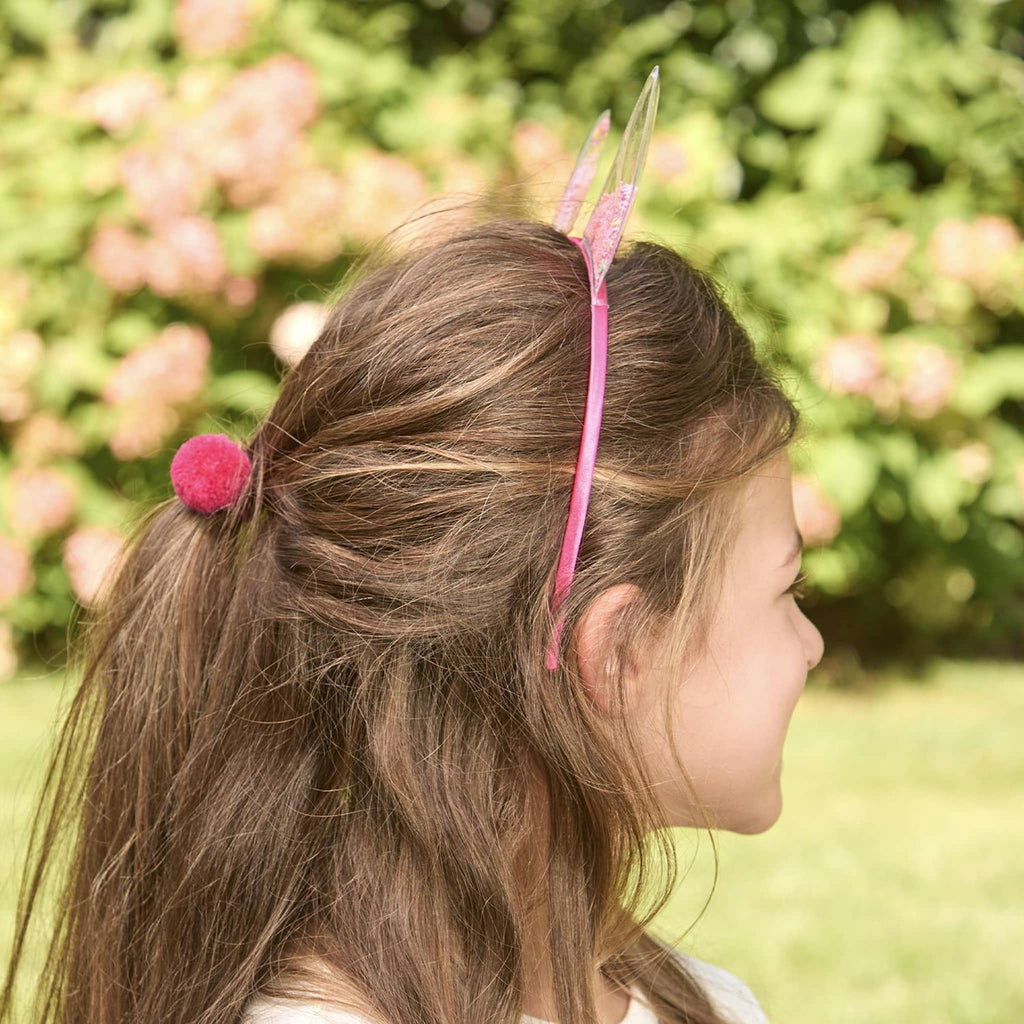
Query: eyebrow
{"points": [[796, 549]]}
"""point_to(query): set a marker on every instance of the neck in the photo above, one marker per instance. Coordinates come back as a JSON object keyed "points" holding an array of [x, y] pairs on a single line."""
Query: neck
{"points": [[611, 1001]]}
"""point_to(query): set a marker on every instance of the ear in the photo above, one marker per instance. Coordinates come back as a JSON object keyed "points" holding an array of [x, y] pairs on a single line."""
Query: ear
{"points": [[596, 651]]}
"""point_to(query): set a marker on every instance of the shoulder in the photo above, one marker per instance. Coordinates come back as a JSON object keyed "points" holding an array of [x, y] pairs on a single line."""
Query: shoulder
{"points": [[730, 996], [264, 1009]]}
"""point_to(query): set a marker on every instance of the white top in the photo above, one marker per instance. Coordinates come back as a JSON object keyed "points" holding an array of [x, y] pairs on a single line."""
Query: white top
{"points": [[731, 998]]}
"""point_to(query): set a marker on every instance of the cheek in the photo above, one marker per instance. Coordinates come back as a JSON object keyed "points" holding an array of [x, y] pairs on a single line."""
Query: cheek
{"points": [[731, 713], [769, 679]]}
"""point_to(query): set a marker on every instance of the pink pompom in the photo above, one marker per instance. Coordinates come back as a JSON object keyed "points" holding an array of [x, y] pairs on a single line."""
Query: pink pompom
{"points": [[209, 471]]}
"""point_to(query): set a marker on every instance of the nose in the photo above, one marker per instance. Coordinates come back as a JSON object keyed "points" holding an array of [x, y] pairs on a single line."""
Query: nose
{"points": [[815, 644]]}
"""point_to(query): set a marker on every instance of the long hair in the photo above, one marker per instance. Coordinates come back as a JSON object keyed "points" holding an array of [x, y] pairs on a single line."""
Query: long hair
{"points": [[314, 736]]}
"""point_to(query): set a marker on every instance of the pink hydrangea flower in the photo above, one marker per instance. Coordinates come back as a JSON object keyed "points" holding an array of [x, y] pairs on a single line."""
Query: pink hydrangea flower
{"points": [[851, 364], [974, 461], [185, 256], [140, 430], [927, 379], [283, 86], [240, 291], [208, 28], [40, 500], [949, 248], [817, 516], [994, 235], [16, 573], [972, 251], [271, 233], [667, 158], [296, 329], [117, 256], [170, 368], [44, 437], [381, 190], [538, 151], [863, 267], [89, 556], [163, 183], [118, 104], [251, 137], [885, 396], [306, 219], [15, 404]]}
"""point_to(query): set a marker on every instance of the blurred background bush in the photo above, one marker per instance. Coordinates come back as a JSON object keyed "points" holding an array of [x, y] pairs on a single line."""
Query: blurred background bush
{"points": [[183, 184]]}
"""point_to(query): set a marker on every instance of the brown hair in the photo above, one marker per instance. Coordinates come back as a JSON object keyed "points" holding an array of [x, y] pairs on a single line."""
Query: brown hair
{"points": [[320, 739]]}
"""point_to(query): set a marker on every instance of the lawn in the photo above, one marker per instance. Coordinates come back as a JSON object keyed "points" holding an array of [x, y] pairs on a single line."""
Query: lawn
{"points": [[890, 890], [892, 887]]}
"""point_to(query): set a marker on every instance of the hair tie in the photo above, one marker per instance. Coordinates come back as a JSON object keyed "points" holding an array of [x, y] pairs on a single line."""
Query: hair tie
{"points": [[209, 472]]}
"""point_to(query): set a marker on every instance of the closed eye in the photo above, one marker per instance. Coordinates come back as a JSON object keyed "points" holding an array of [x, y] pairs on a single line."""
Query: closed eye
{"points": [[797, 589]]}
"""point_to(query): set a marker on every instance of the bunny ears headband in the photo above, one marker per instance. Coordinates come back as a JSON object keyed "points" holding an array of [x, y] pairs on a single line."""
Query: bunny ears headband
{"points": [[598, 243], [209, 471]]}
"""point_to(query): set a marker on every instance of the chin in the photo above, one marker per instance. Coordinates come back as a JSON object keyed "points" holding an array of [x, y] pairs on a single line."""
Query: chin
{"points": [[761, 818]]}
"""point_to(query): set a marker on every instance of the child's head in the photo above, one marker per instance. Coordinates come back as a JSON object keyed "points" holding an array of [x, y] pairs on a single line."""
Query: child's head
{"points": [[328, 730], [429, 439], [730, 707]]}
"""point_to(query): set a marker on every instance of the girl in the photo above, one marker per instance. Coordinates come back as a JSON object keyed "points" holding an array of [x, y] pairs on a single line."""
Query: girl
{"points": [[317, 766]]}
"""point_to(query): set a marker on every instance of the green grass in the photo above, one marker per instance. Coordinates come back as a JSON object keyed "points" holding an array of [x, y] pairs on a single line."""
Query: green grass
{"points": [[890, 890], [28, 723]]}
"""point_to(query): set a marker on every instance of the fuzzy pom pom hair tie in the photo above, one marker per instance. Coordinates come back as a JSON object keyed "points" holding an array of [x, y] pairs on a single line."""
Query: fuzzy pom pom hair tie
{"points": [[209, 472]]}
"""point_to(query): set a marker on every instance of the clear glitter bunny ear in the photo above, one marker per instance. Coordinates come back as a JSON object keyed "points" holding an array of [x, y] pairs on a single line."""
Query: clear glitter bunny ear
{"points": [[582, 174], [604, 230]]}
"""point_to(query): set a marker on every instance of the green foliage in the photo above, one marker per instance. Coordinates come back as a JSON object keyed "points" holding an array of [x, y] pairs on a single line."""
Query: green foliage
{"points": [[851, 174]]}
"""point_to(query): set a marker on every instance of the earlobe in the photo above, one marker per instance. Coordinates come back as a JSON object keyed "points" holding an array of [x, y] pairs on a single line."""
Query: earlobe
{"points": [[597, 652]]}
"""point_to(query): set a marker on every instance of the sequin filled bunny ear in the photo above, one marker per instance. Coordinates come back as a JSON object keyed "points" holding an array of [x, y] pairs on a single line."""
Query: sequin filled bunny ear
{"points": [[598, 243], [604, 230], [582, 174]]}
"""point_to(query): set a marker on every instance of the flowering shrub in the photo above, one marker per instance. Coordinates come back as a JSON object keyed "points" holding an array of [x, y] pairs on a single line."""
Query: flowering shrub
{"points": [[174, 176]]}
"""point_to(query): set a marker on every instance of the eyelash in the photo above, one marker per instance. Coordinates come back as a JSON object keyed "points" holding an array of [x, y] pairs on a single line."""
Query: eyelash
{"points": [[797, 589]]}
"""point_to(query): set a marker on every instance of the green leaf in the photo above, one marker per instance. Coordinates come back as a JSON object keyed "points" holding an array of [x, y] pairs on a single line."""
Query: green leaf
{"points": [[938, 491], [805, 95], [851, 138], [244, 391], [128, 330], [989, 380], [847, 470]]}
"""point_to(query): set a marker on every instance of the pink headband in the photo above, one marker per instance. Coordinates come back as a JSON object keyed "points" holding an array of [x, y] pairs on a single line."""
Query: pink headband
{"points": [[598, 244], [209, 471]]}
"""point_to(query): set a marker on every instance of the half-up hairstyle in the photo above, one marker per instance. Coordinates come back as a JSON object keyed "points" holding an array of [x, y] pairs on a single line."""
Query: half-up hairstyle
{"points": [[312, 750]]}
